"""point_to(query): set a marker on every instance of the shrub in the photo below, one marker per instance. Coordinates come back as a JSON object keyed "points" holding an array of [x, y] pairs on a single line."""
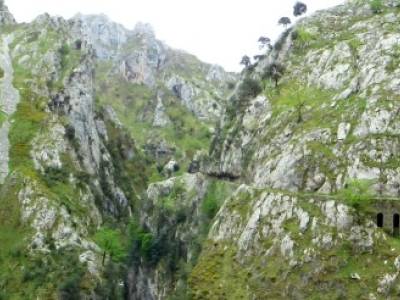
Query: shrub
{"points": [[302, 36], [210, 206], [70, 288], [249, 88], [142, 241], [357, 192], [54, 175], [231, 85], [216, 193], [70, 132], [1, 73], [376, 6]]}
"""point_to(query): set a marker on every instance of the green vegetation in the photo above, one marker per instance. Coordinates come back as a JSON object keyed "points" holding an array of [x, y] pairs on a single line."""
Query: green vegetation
{"points": [[248, 89], [246, 62], [1, 73], [3, 117], [357, 193], [129, 165], [40, 275], [394, 62], [217, 192], [26, 123], [302, 37], [110, 241], [222, 272], [376, 6], [144, 244], [275, 72]]}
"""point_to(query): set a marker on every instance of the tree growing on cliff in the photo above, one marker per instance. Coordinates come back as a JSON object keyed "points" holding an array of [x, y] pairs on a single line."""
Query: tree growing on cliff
{"points": [[245, 61], [284, 21], [109, 241], [264, 42], [275, 72], [249, 88], [299, 8]]}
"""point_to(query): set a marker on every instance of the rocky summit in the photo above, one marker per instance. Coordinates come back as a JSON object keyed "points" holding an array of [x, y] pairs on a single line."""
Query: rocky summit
{"points": [[132, 170]]}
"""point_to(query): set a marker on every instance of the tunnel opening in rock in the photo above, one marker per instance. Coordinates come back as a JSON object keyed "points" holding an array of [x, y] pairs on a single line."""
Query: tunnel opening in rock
{"points": [[379, 220], [396, 224]]}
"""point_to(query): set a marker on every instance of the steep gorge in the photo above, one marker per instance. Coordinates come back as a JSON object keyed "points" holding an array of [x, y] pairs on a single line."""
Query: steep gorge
{"points": [[130, 170]]}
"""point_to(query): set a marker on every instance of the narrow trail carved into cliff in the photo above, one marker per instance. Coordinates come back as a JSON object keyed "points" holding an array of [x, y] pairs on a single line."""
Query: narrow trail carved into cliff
{"points": [[9, 98]]}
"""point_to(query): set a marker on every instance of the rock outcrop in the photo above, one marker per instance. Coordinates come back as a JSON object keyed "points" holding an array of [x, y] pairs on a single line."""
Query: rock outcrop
{"points": [[6, 18], [9, 98]]}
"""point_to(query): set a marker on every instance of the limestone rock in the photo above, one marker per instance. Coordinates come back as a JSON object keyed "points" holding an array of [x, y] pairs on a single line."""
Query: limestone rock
{"points": [[343, 131]]}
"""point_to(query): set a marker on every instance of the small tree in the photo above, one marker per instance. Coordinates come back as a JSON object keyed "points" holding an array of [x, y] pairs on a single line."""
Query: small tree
{"points": [[299, 8], [275, 72], [109, 241], [264, 42], [284, 21], [245, 61]]}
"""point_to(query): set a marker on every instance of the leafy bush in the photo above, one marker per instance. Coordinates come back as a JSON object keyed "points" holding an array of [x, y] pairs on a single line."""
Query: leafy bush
{"points": [[70, 288], [1, 73], [54, 175], [249, 88], [142, 240], [376, 6], [357, 192]]}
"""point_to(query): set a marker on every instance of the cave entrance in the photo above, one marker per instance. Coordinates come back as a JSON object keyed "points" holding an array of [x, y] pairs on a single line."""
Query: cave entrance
{"points": [[396, 224], [379, 220]]}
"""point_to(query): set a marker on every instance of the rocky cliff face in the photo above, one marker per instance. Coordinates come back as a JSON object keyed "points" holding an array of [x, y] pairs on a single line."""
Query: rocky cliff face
{"points": [[296, 229], [74, 164], [60, 177]]}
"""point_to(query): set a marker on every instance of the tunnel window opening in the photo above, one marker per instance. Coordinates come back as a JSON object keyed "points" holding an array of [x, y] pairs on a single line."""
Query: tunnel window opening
{"points": [[379, 220], [396, 224]]}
